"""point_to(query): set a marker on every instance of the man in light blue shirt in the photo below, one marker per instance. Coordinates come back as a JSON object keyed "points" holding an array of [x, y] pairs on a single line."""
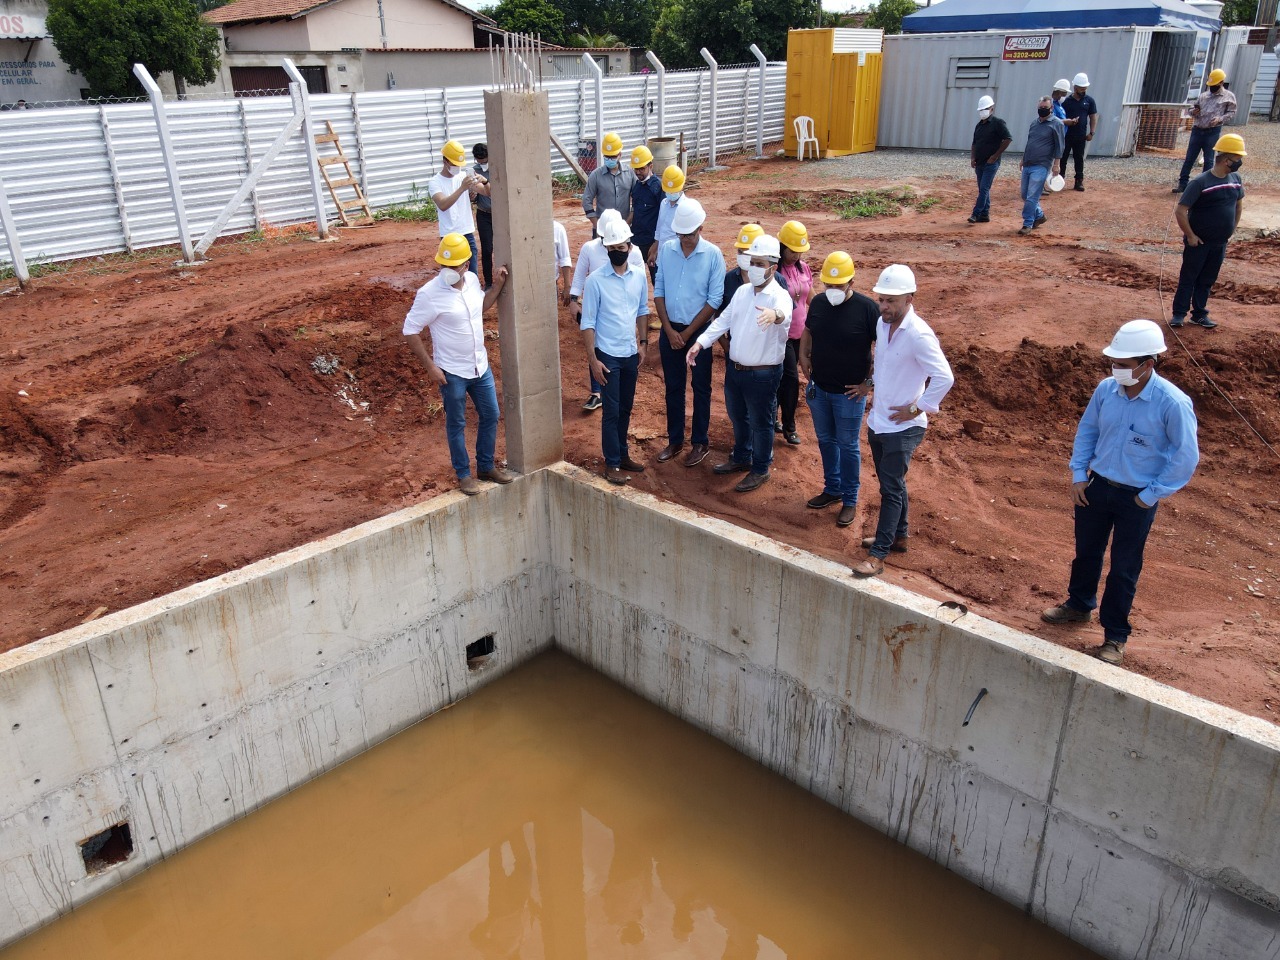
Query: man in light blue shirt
{"points": [[615, 303], [1135, 446], [688, 290]]}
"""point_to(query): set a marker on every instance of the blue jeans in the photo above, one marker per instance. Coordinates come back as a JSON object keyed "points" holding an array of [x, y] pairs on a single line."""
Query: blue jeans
{"points": [[618, 393], [1202, 141], [1112, 513], [891, 453], [484, 398], [1033, 179], [1200, 266], [749, 398], [986, 174], [837, 419], [675, 372]]}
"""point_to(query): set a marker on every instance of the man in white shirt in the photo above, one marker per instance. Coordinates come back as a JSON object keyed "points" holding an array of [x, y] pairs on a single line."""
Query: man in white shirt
{"points": [[757, 319], [911, 378], [451, 305], [563, 258], [451, 191]]}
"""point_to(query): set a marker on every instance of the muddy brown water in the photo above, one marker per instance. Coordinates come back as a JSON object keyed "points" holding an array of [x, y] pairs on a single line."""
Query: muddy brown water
{"points": [[552, 815]]}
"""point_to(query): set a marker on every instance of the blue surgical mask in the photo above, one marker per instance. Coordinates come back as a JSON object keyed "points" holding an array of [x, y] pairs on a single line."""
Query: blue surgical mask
{"points": [[610, 163], [675, 197]]}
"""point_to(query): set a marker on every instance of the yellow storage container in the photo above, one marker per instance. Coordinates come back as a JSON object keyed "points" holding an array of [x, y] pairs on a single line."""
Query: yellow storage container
{"points": [[840, 91]]}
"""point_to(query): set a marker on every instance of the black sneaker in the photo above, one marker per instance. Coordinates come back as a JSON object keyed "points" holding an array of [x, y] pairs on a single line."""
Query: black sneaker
{"points": [[593, 402], [1178, 321], [1204, 322], [974, 219], [1178, 190]]}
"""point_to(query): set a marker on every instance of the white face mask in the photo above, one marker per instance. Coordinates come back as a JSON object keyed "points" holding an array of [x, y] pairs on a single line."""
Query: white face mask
{"points": [[744, 262], [1124, 376], [484, 168], [983, 114], [836, 297], [757, 275], [450, 276]]}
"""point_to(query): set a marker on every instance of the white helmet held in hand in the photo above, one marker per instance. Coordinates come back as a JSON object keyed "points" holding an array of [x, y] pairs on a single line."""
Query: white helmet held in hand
{"points": [[1081, 80], [614, 232], [1137, 338], [895, 280]]}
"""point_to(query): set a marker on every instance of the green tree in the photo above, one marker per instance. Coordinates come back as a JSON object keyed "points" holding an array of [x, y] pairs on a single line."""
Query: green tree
{"points": [[102, 40], [727, 28], [1239, 13], [887, 15], [596, 41], [531, 17], [632, 21]]}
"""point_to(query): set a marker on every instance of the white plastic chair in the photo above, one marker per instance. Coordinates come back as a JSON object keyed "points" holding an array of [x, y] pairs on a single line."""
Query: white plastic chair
{"points": [[804, 135]]}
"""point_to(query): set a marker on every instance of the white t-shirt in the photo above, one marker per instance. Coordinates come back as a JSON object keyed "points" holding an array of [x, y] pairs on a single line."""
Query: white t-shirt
{"points": [[458, 218], [560, 241], [454, 319]]}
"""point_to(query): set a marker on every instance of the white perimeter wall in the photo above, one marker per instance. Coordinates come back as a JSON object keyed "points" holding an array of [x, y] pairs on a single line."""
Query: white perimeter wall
{"points": [[1139, 820]]}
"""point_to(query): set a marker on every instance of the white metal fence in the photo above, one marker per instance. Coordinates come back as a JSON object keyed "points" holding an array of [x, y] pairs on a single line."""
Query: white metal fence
{"points": [[85, 181]]}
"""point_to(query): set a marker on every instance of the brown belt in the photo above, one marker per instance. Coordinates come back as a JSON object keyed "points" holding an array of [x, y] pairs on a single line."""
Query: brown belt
{"points": [[763, 366]]}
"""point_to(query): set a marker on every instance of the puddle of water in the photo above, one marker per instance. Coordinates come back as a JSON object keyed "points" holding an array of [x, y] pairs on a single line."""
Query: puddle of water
{"points": [[553, 815]]}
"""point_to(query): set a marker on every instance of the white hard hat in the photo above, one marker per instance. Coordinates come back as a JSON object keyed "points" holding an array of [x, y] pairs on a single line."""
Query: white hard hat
{"points": [[613, 231], [607, 214], [1137, 338], [766, 247], [1081, 80], [895, 280], [986, 103], [1064, 85], [689, 216]]}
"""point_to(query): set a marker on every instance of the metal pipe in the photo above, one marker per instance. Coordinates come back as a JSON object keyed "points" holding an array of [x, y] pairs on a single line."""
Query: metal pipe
{"points": [[11, 235], [170, 160], [309, 144], [715, 69], [661, 71], [599, 78], [760, 59]]}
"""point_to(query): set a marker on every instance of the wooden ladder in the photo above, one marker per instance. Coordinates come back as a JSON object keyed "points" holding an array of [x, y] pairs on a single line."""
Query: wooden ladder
{"points": [[349, 180]]}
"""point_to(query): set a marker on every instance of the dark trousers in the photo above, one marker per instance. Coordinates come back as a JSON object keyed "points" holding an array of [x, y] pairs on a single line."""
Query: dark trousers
{"points": [[1202, 141], [675, 373], [484, 226], [1113, 514], [644, 252], [891, 454], [474, 265], [1075, 147], [789, 386], [986, 174], [749, 398], [618, 393], [1200, 266]]}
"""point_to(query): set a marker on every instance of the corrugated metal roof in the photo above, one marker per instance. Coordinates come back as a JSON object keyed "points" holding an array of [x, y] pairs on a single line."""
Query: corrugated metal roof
{"points": [[255, 11]]}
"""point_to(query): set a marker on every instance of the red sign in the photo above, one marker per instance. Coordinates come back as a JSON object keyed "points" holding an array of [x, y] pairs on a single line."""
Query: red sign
{"points": [[1027, 47]]}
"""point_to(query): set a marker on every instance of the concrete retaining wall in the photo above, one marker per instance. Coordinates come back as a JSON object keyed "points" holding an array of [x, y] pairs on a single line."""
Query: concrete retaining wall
{"points": [[183, 714]]}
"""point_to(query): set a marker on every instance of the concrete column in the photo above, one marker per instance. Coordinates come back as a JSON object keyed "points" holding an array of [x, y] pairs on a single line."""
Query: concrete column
{"points": [[520, 181]]}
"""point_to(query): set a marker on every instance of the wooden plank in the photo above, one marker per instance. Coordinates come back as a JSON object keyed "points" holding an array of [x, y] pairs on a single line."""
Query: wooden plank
{"points": [[569, 158]]}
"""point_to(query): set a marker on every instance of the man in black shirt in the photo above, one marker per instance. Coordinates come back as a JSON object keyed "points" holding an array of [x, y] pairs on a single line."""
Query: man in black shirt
{"points": [[1208, 214], [835, 355], [1081, 124], [990, 140]]}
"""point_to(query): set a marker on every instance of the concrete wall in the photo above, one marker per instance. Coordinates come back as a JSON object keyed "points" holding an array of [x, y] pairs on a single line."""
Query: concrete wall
{"points": [[410, 23], [190, 711], [1138, 820]]}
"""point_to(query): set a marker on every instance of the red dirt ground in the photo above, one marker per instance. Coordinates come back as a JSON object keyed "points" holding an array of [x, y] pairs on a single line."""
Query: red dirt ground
{"points": [[172, 427]]}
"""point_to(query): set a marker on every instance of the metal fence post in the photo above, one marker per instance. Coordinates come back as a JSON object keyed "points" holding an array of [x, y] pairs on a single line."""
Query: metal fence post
{"points": [[11, 235], [715, 69], [760, 59], [170, 160], [662, 91], [594, 67], [309, 143]]}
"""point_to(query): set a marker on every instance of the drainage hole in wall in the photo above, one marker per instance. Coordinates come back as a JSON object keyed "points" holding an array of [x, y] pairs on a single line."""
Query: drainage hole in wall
{"points": [[16, 726], [479, 653], [113, 845]]}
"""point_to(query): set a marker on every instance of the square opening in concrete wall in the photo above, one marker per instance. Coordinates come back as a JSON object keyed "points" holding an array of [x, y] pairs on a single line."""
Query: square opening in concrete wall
{"points": [[104, 850], [479, 653]]}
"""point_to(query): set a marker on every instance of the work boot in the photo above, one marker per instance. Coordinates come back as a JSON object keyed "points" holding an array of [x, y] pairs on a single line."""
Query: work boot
{"points": [[847, 514], [1111, 652], [497, 475], [899, 544], [1065, 614], [1080, 184], [1025, 231], [870, 567], [752, 481], [1039, 220], [469, 485]]}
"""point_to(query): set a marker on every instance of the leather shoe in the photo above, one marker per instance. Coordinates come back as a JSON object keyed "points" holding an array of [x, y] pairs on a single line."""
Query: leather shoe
{"points": [[1039, 220], [1025, 231], [899, 544], [497, 475], [632, 466], [669, 452], [1079, 187], [847, 514], [1065, 614], [751, 481], [730, 466], [1111, 652], [469, 485], [697, 453], [870, 567], [615, 476], [823, 499], [792, 437], [777, 426]]}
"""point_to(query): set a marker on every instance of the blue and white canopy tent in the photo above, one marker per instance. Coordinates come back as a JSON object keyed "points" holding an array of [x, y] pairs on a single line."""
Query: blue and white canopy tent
{"points": [[959, 16]]}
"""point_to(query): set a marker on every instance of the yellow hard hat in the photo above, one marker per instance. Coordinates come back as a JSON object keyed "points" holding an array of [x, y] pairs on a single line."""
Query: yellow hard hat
{"points": [[672, 179], [746, 234], [612, 144], [453, 250], [453, 152], [1216, 77], [1230, 143], [640, 157], [837, 268], [794, 236]]}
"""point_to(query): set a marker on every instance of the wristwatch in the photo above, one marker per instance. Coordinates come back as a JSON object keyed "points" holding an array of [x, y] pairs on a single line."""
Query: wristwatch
{"points": [[915, 411]]}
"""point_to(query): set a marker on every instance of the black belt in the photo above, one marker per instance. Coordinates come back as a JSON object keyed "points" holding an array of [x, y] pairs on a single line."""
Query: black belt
{"points": [[1118, 486], [763, 366]]}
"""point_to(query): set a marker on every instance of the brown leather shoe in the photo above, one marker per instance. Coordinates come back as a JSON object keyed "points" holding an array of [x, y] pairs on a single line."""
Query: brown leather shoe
{"points": [[1065, 614], [730, 466], [870, 567], [669, 452], [497, 475], [632, 466], [751, 482], [697, 453], [615, 476], [898, 546], [847, 515], [1111, 652], [469, 485]]}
